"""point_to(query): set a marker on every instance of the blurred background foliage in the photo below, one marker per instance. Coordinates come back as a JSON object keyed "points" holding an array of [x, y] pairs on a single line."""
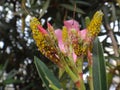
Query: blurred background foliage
{"points": [[17, 48]]}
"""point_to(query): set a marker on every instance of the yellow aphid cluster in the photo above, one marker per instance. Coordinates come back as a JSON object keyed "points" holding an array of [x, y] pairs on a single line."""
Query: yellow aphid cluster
{"points": [[41, 41], [94, 26], [64, 34], [38, 37], [79, 48], [34, 23]]}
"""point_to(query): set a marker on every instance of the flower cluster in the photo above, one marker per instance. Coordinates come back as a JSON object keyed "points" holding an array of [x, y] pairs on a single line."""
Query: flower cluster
{"points": [[67, 47], [70, 40]]}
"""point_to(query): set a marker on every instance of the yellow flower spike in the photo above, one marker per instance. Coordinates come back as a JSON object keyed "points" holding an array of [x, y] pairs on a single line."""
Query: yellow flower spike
{"points": [[77, 43], [79, 49], [94, 26], [52, 34], [64, 34], [38, 37], [34, 23], [42, 43]]}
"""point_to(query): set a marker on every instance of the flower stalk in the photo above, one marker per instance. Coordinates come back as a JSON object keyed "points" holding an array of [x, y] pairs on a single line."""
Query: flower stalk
{"points": [[79, 65]]}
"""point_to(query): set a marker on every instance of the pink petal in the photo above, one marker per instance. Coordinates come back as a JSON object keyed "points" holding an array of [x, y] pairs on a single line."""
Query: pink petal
{"points": [[71, 24], [89, 56], [74, 57], [41, 29], [49, 25], [58, 33], [83, 33]]}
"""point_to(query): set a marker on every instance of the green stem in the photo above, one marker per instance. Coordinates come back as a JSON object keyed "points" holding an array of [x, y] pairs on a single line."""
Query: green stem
{"points": [[80, 84], [71, 74], [90, 65], [53, 87], [90, 77]]}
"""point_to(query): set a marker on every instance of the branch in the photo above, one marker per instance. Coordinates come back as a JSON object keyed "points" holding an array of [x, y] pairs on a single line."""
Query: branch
{"points": [[114, 42]]}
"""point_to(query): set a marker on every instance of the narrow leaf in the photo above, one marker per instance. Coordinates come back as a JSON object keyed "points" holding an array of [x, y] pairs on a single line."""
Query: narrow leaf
{"points": [[11, 81], [81, 2], [99, 71], [11, 74], [71, 8], [45, 6], [46, 75], [3, 68]]}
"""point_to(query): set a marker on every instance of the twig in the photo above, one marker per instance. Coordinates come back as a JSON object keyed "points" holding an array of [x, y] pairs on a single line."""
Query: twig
{"points": [[114, 42]]}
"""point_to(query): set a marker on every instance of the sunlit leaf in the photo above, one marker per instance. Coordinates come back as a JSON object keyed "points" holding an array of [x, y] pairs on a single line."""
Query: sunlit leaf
{"points": [[99, 68]]}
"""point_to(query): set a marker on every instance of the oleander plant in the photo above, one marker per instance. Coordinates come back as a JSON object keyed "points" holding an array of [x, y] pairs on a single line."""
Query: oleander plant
{"points": [[59, 44], [68, 48]]}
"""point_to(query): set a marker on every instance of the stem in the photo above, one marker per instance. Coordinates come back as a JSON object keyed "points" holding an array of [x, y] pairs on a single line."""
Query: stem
{"points": [[80, 84], [54, 87], [90, 65], [90, 78], [114, 42], [71, 74], [77, 79], [115, 46]]}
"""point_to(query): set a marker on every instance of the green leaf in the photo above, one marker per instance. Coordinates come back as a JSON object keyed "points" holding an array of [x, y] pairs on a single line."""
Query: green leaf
{"points": [[27, 87], [71, 8], [113, 11], [32, 2], [81, 2], [11, 81], [61, 72], [99, 70], [45, 6], [4, 68], [11, 74], [46, 75], [109, 78]]}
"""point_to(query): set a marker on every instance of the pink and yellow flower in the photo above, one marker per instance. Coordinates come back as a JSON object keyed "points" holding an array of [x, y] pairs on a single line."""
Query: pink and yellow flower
{"points": [[71, 41]]}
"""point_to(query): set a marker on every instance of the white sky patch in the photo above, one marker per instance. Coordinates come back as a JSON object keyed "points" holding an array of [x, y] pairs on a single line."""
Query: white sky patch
{"points": [[85, 76], [106, 3], [1, 44], [112, 52], [42, 21], [27, 19], [108, 49], [113, 62], [118, 38], [101, 38], [105, 54], [1, 8], [49, 18], [8, 50], [109, 40], [9, 16], [116, 29]]}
